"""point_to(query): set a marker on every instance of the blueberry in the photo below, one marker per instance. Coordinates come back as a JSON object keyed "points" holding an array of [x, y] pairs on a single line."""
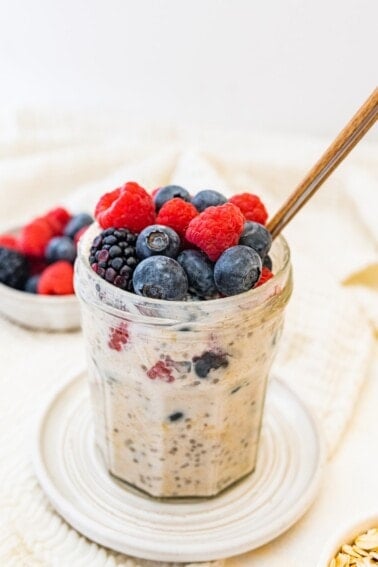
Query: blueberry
{"points": [[176, 416], [200, 272], [160, 277], [76, 223], [61, 248], [209, 360], [170, 192], [238, 269], [32, 284], [157, 239], [256, 236], [267, 262], [208, 198]]}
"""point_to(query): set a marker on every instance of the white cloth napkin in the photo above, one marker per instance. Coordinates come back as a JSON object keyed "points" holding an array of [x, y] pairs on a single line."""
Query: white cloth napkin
{"points": [[328, 339]]}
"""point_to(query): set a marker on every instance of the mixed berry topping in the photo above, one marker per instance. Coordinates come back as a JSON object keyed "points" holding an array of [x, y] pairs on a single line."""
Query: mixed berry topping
{"points": [[113, 256], [46, 249], [181, 246]]}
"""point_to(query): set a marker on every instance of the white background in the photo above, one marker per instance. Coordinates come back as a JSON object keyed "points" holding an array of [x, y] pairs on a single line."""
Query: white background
{"points": [[289, 66]]}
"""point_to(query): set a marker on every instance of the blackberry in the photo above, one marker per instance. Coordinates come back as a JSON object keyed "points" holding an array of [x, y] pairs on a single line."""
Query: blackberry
{"points": [[113, 257], [14, 270]]}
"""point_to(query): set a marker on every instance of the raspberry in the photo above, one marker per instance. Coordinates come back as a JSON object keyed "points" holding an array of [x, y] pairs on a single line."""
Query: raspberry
{"points": [[216, 229], [57, 219], [57, 279], [118, 337], [266, 275], [162, 370], [177, 214], [251, 206], [129, 206], [35, 236], [8, 241]]}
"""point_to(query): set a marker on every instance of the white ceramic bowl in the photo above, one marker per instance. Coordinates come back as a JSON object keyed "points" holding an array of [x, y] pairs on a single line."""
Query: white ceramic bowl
{"points": [[42, 312], [347, 534]]}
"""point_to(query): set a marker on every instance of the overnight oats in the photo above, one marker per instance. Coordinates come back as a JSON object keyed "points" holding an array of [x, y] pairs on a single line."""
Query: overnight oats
{"points": [[178, 353]]}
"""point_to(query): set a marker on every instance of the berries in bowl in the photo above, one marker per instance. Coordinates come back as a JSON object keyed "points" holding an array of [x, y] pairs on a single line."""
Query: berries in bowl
{"points": [[36, 271]]}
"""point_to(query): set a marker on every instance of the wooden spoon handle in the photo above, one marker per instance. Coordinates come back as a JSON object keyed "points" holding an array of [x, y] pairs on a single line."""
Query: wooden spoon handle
{"points": [[361, 122]]}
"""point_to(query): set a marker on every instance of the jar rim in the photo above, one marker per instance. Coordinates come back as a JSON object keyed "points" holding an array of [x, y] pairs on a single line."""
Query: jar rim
{"points": [[258, 294]]}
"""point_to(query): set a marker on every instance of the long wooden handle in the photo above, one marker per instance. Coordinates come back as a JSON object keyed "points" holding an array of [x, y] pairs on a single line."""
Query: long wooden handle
{"points": [[361, 122]]}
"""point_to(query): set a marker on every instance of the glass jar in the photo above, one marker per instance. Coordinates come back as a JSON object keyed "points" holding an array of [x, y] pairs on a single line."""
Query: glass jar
{"points": [[178, 387]]}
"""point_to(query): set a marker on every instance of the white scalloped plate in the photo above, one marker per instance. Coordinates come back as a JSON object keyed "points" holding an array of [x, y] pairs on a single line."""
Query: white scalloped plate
{"points": [[111, 513]]}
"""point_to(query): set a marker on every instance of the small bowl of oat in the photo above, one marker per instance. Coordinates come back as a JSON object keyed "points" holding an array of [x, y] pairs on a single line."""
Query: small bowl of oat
{"points": [[356, 546]]}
